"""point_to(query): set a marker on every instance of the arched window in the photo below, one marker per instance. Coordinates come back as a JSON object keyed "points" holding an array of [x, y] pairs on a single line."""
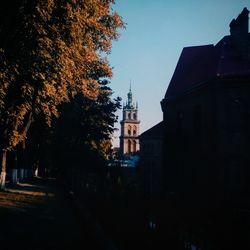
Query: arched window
{"points": [[129, 130], [129, 146], [134, 116], [134, 146], [129, 116], [134, 130]]}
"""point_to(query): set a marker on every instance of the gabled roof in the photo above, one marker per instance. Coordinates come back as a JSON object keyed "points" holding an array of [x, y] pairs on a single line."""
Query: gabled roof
{"points": [[200, 64], [155, 131]]}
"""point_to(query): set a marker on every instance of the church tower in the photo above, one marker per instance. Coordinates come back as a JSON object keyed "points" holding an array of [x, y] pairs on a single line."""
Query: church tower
{"points": [[129, 139]]}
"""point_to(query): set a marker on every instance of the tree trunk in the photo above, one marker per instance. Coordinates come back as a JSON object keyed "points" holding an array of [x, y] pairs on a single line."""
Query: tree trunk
{"points": [[25, 130], [22, 161], [21, 174], [25, 174], [14, 170], [14, 176], [3, 170]]}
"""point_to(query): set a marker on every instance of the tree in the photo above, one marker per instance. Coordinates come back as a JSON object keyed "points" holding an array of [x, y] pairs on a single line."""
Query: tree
{"points": [[82, 134], [52, 50]]}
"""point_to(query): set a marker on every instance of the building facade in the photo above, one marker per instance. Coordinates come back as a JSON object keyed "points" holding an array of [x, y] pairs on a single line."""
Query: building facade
{"points": [[206, 145], [206, 117], [129, 138], [151, 160]]}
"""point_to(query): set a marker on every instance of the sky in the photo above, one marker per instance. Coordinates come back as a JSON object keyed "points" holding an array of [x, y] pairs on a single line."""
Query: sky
{"points": [[148, 49]]}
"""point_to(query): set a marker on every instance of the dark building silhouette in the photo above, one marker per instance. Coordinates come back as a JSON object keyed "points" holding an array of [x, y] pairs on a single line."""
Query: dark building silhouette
{"points": [[150, 160], [150, 172], [206, 148]]}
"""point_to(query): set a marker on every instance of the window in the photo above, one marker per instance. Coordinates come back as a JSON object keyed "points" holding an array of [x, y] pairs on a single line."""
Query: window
{"points": [[129, 130], [134, 146], [134, 130], [129, 146]]}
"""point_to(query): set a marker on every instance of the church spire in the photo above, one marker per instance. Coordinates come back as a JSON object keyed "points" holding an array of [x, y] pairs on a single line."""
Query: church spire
{"points": [[130, 98]]}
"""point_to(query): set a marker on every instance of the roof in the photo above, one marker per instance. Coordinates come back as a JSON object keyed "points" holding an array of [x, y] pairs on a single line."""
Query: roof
{"points": [[155, 131], [200, 64]]}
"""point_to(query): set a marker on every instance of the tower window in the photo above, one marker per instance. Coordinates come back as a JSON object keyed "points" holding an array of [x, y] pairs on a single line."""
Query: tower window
{"points": [[134, 146], [134, 130], [134, 116], [129, 146], [129, 130], [129, 116]]}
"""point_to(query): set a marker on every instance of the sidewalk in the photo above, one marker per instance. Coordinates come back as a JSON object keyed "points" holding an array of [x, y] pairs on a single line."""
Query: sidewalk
{"points": [[37, 215]]}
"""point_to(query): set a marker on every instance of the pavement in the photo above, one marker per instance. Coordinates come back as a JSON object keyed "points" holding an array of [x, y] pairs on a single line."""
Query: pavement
{"points": [[40, 215]]}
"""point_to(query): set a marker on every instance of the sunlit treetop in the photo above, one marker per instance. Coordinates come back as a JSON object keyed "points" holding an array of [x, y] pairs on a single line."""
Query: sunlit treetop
{"points": [[56, 49]]}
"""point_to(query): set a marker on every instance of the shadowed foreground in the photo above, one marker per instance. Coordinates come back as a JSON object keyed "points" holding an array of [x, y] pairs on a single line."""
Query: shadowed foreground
{"points": [[38, 215]]}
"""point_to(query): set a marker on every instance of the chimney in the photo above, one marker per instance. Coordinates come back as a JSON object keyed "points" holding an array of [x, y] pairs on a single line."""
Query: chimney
{"points": [[239, 33]]}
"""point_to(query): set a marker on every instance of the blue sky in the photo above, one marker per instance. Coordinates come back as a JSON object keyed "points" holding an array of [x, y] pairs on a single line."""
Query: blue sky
{"points": [[149, 48]]}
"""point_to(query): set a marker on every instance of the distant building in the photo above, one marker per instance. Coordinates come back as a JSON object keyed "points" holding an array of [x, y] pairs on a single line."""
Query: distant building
{"points": [[151, 160], [129, 139], [122, 166]]}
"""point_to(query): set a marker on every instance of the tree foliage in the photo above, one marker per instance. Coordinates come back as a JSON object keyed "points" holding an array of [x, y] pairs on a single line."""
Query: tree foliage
{"points": [[82, 135], [54, 50], [51, 52]]}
